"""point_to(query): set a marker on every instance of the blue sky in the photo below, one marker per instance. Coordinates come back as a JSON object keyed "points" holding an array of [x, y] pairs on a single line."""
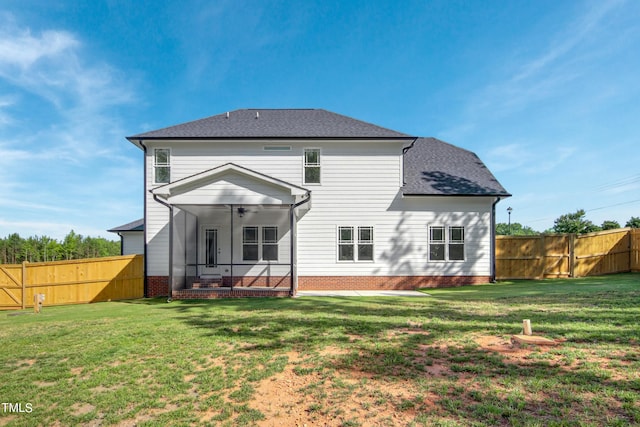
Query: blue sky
{"points": [[545, 92]]}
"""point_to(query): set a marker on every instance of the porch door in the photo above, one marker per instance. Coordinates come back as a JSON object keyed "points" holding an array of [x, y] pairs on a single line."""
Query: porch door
{"points": [[209, 251]]}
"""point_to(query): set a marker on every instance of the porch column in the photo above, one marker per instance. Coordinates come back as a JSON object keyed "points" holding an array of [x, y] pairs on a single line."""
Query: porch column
{"points": [[231, 245], [291, 248]]}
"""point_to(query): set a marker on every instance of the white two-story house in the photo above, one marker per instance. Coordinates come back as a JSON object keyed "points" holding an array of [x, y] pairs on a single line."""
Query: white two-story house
{"points": [[266, 202]]}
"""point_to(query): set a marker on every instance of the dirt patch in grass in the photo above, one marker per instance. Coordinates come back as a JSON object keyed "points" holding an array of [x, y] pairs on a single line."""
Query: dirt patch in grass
{"points": [[512, 352], [24, 364], [79, 409], [297, 397]]}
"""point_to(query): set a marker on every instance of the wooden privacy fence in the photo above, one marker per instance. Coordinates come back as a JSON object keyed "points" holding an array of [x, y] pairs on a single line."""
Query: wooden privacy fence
{"points": [[567, 255], [72, 282]]}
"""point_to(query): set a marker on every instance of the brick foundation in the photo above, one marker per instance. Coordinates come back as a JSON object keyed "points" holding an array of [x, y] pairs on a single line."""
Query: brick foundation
{"points": [[157, 286], [228, 293], [260, 286], [258, 281], [332, 283]]}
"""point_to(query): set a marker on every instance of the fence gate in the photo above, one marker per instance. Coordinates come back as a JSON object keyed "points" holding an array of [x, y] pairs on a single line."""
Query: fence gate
{"points": [[11, 286]]}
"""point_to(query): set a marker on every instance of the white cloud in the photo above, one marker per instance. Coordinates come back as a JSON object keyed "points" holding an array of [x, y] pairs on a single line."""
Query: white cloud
{"points": [[56, 164], [19, 48]]}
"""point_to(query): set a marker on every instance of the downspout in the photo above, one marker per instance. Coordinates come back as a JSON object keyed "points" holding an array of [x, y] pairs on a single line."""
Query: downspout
{"points": [[493, 240], [121, 244], [144, 230], [170, 289], [292, 208]]}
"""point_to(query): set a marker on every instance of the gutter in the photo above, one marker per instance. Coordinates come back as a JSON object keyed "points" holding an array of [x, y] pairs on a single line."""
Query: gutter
{"points": [[292, 208], [170, 288]]}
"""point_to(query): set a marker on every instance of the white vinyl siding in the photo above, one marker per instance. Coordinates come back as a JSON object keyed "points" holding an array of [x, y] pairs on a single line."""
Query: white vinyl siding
{"points": [[360, 186], [132, 242]]}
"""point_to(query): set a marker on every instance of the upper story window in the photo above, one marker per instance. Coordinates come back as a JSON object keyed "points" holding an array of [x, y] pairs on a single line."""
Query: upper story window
{"points": [[446, 244], [161, 165], [312, 166]]}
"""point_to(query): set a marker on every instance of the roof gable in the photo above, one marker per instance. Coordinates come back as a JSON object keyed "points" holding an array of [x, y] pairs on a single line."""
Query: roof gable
{"points": [[436, 168], [229, 184], [266, 123]]}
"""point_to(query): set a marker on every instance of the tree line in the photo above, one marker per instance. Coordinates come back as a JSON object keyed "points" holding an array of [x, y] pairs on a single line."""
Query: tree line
{"points": [[15, 249], [575, 222]]}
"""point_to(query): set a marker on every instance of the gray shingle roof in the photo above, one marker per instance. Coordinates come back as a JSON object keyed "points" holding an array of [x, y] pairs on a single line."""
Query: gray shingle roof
{"points": [[137, 225], [436, 168], [266, 123]]}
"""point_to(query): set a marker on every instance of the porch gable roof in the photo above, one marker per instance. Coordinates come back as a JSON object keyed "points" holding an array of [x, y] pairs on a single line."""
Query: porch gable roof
{"points": [[230, 184]]}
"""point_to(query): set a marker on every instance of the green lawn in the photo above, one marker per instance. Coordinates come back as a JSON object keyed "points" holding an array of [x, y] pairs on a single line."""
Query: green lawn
{"points": [[439, 360]]}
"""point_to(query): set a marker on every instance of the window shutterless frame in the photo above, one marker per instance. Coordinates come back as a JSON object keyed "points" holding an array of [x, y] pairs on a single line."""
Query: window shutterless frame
{"points": [[260, 243], [161, 165], [311, 173], [456, 243], [437, 243], [250, 244], [355, 244], [446, 243]]}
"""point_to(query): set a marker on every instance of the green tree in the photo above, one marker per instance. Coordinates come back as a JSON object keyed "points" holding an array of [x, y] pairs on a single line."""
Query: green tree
{"points": [[71, 245], [15, 249], [634, 222], [516, 229], [610, 225], [574, 223]]}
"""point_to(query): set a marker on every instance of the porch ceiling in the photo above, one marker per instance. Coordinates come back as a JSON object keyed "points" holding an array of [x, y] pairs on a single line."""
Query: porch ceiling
{"points": [[203, 210]]}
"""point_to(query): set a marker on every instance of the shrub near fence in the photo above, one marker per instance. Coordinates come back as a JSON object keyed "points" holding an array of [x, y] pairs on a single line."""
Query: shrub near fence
{"points": [[72, 282], [567, 255]]}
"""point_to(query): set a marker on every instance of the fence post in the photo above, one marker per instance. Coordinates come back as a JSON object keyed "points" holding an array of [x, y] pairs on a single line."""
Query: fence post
{"points": [[24, 281], [572, 258]]}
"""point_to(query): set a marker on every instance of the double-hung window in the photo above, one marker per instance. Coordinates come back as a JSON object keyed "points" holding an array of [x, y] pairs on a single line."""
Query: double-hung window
{"points": [[355, 243], [312, 166], [161, 165], [260, 243], [250, 244], [446, 243], [456, 243], [270, 243]]}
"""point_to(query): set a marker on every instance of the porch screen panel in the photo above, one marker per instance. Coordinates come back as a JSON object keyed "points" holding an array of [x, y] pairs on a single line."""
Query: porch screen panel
{"points": [[211, 251], [250, 243]]}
